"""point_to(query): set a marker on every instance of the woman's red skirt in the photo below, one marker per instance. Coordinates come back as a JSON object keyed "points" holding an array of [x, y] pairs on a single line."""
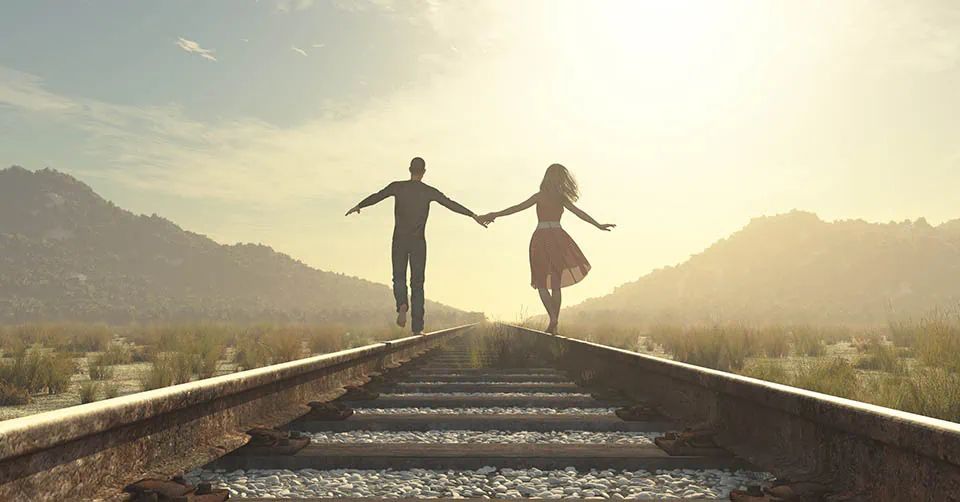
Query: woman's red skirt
{"points": [[554, 257]]}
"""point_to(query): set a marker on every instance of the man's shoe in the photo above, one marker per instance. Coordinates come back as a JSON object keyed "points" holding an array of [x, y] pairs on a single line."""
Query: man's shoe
{"points": [[402, 315]]}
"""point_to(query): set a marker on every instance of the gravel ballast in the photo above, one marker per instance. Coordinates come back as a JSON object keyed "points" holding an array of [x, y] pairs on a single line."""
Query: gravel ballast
{"points": [[490, 437], [485, 482]]}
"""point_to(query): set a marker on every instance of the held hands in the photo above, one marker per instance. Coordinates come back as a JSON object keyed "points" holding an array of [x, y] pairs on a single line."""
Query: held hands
{"points": [[486, 219], [481, 221], [605, 226]]}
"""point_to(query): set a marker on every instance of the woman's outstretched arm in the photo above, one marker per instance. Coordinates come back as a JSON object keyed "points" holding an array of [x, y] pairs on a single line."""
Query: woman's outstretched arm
{"points": [[527, 204], [586, 217]]}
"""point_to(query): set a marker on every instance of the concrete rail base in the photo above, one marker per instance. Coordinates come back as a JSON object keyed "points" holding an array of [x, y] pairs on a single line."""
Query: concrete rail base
{"points": [[875, 453], [90, 451]]}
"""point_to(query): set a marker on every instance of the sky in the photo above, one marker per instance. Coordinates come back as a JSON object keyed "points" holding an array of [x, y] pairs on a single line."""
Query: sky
{"points": [[265, 120]]}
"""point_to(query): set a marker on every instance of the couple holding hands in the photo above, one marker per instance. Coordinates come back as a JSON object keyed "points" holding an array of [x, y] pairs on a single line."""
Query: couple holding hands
{"points": [[555, 259]]}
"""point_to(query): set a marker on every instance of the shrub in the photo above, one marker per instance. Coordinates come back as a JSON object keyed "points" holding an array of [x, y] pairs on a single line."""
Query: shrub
{"points": [[140, 354], [116, 353], [768, 371], [87, 337], [111, 390], [328, 338], [208, 348], [88, 391], [498, 347], [284, 345], [836, 377], [939, 345], [98, 368], [772, 341], [170, 368], [719, 347], [904, 334], [11, 395], [881, 357], [934, 392], [808, 341], [39, 371], [59, 368], [613, 335], [251, 354], [14, 347]]}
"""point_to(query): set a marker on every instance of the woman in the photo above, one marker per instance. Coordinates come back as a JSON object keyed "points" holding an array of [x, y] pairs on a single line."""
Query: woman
{"points": [[555, 260]]}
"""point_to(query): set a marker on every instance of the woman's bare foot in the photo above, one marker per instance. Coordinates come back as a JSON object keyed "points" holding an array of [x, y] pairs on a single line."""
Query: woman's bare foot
{"points": [[402, 315]]}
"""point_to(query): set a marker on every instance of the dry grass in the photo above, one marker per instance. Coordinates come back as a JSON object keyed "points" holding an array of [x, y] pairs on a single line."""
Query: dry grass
{"points": [[64, 337], [38, 370], [88, 392], [496, 346], [11, 395]]}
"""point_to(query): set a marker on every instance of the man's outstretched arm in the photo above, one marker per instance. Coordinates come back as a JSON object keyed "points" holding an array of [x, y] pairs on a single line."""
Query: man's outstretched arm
{"points": [[372, 199], [457, 207]]}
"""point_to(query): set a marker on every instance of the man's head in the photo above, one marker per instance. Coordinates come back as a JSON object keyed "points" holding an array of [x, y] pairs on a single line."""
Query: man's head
{"points": [[417, 168]]}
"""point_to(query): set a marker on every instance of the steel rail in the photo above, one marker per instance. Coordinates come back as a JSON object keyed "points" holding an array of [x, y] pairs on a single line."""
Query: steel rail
{"points": [[886, 453], [74, 453]]}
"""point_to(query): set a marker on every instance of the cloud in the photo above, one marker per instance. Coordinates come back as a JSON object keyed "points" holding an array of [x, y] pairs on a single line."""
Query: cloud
{"points": [[244, 39], [191, 46], [318, 46], [287, 6], [299, 50], [162, 149]]}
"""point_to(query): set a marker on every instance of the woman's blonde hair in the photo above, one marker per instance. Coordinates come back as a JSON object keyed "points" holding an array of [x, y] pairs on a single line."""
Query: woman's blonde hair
{"points": [[558, 182]]}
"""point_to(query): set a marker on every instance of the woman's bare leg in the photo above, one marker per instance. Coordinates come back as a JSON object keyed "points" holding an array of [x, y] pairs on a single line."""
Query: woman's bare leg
{"points": [[557, 302], [548, 304]]}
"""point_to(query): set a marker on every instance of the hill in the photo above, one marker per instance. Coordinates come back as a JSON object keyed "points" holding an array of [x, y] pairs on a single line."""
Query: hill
{"points": [[797, 268], [68, 254]]}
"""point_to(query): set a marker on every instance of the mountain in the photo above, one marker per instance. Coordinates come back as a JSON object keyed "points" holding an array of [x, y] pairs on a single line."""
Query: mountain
{"points": [[68, 254], [797, 268]]}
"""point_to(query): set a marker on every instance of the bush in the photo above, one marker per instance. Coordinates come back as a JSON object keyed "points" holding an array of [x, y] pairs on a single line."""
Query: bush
{"points": [[59, 369], [251, 354], [836, 377], [11, 395], [613, 335], [116, 353], [939, 345], [98, 369], [327, 339], [934, 392], [808, 341], [39, 371], [167, 369], [881, 357], [111, 390], [284, 345], [208, 348], [140, 354], [904, 334], [767, 371], [499, 347], [719, 347], [772, 341], [88, 391]]}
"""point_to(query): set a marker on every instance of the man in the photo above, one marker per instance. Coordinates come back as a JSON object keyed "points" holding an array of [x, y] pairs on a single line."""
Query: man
{"points": [[411, 208]]}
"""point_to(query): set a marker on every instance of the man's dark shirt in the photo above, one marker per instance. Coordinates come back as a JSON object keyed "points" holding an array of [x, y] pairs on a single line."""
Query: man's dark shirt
{"points": [[412, 206]]}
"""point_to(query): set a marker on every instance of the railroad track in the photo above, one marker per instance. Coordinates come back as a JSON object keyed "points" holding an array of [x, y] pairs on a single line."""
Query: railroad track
{"points": [[470, 413]]}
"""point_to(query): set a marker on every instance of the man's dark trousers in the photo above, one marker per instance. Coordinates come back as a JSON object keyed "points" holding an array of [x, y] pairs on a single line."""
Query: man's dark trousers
{"points": [[414, 250]]}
